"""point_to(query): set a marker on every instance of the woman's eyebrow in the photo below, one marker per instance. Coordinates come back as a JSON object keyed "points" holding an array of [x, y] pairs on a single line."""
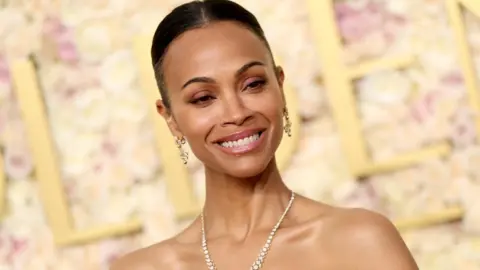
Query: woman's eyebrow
{"points": [[241, 70]]}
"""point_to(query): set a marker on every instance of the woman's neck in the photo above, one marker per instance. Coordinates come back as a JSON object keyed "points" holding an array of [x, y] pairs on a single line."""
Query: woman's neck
{"points": [[238, 207]]}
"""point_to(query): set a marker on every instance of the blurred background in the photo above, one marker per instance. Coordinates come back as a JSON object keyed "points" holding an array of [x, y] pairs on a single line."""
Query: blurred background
{"points": [[412, 74]]}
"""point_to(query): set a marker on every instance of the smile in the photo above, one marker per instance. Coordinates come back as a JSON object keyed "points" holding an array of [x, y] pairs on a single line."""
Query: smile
{"points": [[242, 142]]}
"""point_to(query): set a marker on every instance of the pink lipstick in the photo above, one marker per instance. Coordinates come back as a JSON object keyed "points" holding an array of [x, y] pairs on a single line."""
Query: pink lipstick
{"points": [[241, 142]]}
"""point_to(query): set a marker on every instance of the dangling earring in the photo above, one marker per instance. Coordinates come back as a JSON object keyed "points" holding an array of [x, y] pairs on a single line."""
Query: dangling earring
{"points": [[183, 154], [288, 124]]}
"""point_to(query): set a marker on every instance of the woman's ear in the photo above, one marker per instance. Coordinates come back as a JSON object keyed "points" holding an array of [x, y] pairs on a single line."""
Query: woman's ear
{"points": [[167, 115], [280, 79]]}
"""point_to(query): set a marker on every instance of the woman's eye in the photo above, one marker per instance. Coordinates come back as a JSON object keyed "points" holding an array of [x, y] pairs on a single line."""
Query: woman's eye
{"points": [[256, 84], [201, 100]]}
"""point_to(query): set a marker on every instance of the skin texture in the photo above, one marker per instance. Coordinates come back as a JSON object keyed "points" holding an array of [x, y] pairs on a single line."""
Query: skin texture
{"points": [[245, 193]]}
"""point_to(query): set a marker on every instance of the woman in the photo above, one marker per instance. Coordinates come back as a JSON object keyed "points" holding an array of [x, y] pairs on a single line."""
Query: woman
{"points": [[222, 91]]}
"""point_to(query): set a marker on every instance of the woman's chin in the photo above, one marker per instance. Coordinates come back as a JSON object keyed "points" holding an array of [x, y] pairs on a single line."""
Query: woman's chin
{"points": [[246, 169]]}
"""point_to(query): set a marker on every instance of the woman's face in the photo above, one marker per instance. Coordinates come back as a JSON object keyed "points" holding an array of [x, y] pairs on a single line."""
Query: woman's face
{"points": [[225, 98]]}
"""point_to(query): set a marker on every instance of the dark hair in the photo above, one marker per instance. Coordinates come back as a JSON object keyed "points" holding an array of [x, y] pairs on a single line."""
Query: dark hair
{"points": [[196, 14]]}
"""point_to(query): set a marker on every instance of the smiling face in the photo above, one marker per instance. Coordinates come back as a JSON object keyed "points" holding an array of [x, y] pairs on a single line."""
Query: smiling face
{"points": [[225, 98]]}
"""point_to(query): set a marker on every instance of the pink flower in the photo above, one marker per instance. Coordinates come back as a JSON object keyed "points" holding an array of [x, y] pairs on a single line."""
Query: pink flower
{"points": [[53, 27], [18, 162], [450, 88], [364, 22], [62, 38], [3, 124], [4, 71], [5, 246], [11, 247], [453, 78], [463, 131], [356, 24], [343, 10], [73, 82], [358, 194], [364, 196], [392, 26], [18, 246], [67, 51], [423, 108], [110, 149]]}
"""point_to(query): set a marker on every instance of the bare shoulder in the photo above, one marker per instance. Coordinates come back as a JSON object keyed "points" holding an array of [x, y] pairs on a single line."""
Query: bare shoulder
{"points": [[179, 252], [150, 258], [367, 240]]}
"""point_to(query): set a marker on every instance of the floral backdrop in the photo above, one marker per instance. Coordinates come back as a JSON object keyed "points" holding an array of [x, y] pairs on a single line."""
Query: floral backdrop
{"points": [[98, 116]]}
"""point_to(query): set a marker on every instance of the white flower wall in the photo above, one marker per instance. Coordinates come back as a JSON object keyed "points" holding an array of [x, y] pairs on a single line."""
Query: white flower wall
{"points": [[98, 116]]}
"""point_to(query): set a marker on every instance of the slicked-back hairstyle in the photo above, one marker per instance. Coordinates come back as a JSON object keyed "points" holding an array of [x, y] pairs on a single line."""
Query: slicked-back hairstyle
{"points": [[192, 15]]}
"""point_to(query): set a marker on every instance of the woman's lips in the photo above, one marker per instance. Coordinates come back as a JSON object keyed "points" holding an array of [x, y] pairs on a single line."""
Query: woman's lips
{"points": [[239, 135], [242, 142]]}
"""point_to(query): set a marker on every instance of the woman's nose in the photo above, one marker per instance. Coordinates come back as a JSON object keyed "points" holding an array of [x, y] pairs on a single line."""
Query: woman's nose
{"points": [[235, 111]]}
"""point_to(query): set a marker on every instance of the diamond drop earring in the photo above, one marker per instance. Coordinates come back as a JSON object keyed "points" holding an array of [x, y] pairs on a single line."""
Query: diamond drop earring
{"points": [[288, 124], [183, 154]]}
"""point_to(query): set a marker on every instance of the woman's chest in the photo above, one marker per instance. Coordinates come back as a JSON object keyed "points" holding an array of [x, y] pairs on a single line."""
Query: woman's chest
{"points": [[283, 258]]}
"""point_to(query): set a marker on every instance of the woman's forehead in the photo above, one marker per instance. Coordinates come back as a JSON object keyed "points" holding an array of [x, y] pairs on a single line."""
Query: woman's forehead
{"points": [[213, 47]]}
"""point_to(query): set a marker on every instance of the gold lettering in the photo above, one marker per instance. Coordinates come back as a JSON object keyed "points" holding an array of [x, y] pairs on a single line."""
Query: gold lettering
{"points": [[338, 80], [47, 170], [179, 184], [430, 219], [454, 9], [471, 5], [178, 180]]}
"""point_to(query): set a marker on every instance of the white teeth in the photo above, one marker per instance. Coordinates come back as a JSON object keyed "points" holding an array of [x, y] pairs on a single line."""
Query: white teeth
{"points": [[241, 142]]}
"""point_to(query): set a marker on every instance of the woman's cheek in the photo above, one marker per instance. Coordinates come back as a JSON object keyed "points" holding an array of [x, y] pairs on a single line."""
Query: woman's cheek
{"points": [[271, 108], [199, 124]]}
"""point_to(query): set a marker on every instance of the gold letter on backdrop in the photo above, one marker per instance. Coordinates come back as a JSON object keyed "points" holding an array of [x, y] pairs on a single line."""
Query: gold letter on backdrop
{"points": [[179, 184], [338, 80], [454, 8], [47, 169]]}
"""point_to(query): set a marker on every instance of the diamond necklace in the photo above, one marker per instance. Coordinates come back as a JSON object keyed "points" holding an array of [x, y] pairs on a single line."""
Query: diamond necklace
{"points": [[263, 252]]}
